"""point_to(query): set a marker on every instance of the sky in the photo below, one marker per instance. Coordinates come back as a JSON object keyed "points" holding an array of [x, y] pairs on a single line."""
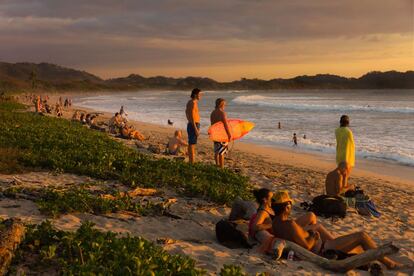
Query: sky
{"points": [[221, 39]]}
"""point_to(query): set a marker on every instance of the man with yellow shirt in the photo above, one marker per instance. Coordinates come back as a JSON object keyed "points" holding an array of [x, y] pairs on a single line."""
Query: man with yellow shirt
{"points": [[345, 146], [193, 125]]}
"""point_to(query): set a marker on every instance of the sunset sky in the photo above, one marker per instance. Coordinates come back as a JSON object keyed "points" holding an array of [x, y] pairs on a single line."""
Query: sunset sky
{"points": [[221, 39]]}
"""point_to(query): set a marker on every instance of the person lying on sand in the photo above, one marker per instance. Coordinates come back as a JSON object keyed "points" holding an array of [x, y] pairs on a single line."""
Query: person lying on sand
{"points": [[317, 239], [177, 144], [336, 182], [131, 133]]}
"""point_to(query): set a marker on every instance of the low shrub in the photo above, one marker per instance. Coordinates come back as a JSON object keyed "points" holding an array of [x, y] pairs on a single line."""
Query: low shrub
{"points": [[62, 145], [91, 252]]}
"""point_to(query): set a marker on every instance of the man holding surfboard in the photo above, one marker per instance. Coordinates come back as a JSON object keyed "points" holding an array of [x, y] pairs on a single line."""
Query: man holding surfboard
{"points": [[193, 125], [218, 115]]}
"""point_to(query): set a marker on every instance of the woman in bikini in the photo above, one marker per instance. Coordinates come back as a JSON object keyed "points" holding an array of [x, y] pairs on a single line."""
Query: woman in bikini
{"points": [[315, 237]]}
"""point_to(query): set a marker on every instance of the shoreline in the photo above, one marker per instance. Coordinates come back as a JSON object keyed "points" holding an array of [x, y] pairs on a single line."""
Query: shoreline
{"points": [[381, 170], [302, 174]]}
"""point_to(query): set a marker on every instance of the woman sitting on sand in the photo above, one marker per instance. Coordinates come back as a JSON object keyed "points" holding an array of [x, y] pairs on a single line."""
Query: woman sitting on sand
{"points": [[260, 225], [317, 240]]}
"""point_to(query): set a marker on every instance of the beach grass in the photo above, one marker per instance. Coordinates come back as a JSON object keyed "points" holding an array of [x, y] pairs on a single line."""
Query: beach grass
{"points": [[64, 146], [89, 251]]}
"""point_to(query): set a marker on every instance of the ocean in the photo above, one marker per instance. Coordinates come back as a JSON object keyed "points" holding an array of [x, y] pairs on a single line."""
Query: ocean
{"points": [[382, 120]]}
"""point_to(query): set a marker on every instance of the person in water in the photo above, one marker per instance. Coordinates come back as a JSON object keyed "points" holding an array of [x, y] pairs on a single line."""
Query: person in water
{"points": [[193, 125], [176, 143], [219, 115], [336, 182], [345, 146], [317, 239], [295, 139]]}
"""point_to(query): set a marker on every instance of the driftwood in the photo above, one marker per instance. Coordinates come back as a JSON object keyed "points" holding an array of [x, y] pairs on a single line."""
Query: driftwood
{"points": [[345, 264], [10, 238]]}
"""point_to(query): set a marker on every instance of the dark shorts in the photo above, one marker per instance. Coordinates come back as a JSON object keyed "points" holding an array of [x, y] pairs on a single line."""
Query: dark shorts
{"points": [[192, 137], [220, 148]]}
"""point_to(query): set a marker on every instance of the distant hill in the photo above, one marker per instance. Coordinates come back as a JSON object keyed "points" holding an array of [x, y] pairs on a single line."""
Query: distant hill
{"points": [[26, 76]]}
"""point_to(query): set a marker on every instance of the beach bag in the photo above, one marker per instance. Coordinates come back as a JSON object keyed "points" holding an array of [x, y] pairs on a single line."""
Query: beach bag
{"points": [[228, 235], [365, 206], [328, 206]]}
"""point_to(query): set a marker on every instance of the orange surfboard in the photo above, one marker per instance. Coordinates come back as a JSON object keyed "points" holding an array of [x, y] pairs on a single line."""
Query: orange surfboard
{"points": [[238, 129]]}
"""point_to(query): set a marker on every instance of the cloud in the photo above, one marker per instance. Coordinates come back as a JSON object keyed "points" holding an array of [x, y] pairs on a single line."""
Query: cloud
{"points": [[108, 34]]}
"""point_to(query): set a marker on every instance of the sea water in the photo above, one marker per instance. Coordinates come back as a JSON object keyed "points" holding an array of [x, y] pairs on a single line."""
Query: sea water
{"points": [[382, 120]]}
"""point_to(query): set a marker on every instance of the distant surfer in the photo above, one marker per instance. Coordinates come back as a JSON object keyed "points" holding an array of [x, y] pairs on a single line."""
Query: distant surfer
{"points": [[304, 136], [279, 126], [170, 123], [193, 125], [295, 140], [345, 146], [219, 115]]}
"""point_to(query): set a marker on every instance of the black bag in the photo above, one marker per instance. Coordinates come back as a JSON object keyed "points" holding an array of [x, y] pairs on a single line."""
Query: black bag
{"points": [[328, 206], [228, 235]]}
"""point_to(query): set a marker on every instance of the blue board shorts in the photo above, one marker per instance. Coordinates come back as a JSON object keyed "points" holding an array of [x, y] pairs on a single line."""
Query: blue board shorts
{"points": [[192, 137]]}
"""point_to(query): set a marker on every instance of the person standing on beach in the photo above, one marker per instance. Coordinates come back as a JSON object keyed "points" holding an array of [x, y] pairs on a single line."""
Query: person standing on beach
{"points": [[218, 115], [193, 125], [345, 146], [123, 114], [295, 140]]}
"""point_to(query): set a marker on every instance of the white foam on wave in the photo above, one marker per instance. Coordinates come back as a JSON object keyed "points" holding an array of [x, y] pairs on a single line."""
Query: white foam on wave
{"points": [[286, 103], [373, 153]]}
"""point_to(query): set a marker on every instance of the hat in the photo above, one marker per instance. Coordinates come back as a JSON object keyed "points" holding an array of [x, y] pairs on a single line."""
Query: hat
{"points": [[281, 197]]}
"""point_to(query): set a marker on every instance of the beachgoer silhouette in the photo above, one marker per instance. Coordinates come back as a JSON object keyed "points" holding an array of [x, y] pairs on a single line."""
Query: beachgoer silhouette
{"points": [[295, 139]]}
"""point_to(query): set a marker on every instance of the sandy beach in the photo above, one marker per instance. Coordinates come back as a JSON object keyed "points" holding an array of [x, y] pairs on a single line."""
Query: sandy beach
{"points": [[391, 187]]}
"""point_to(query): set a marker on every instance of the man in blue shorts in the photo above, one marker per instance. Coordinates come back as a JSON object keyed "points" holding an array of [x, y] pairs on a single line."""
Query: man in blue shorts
{"points": [[193, 125]]}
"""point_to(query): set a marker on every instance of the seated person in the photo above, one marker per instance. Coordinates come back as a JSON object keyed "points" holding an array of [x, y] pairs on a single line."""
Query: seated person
{"points": [[76, 116], [59, 111], [177, 144], [88, 119], [336, 182], [82, 118], [260, 225], [115, 123], [317, 240]]}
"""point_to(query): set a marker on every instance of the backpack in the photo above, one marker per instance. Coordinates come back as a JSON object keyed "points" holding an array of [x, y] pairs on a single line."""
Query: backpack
{"points": [[228, 235], [327, 206]]}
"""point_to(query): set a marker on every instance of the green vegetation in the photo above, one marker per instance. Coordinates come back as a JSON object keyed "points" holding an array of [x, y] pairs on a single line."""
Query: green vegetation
{"points": [[78, 199], [62, 145], [91, 252]]}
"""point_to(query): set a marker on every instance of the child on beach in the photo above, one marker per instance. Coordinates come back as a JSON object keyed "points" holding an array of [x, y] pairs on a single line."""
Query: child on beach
{"points": [[176, 144]]}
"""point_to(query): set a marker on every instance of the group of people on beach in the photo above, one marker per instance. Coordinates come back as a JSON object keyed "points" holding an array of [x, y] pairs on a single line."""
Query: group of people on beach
{"points": [[271, 224], [118, 124], [42, 105], [193, 126]]}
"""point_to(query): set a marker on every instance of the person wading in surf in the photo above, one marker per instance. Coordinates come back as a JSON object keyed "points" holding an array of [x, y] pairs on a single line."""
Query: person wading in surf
{"points": [[218, 115]]}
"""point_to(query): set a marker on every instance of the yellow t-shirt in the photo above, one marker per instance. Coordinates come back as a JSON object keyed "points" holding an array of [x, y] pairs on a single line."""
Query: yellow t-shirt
{"points": [[345, 146]]}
